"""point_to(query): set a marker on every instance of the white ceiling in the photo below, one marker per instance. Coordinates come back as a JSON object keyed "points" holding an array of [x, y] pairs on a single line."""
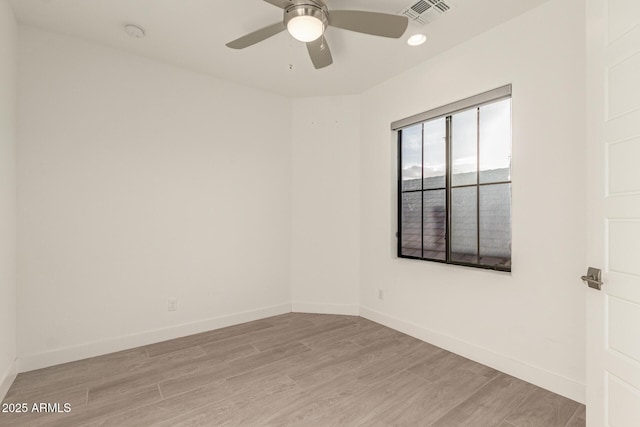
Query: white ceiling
{"points": [[193, 33]]}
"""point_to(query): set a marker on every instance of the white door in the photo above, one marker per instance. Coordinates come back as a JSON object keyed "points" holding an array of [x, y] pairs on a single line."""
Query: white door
{"points": [[613, 173]]}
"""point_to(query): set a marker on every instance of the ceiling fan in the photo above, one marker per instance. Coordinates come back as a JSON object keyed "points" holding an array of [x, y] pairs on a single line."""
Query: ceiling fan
{"points": [[306, 20]]}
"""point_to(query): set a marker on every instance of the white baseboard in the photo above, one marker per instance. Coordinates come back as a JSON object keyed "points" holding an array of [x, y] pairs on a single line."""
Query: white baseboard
{"points": [[7, 379], [542, 378], [98, 348], [310, 307]]}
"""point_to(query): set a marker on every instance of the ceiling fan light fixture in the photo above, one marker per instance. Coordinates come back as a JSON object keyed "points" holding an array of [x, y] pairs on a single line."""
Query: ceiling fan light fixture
{"points": [[305, 22], [305, 28]]}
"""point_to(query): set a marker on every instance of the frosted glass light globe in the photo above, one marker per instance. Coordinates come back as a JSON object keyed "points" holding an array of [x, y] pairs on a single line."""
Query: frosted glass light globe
{"points": [[305, 28]]}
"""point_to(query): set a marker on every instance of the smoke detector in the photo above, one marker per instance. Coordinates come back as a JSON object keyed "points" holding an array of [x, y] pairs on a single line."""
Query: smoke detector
{"points": [[134, 31]]}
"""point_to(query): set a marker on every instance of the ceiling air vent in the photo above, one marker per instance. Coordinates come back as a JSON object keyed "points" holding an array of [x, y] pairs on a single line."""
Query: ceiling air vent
{"points": [[420, 7], [424, 11]]}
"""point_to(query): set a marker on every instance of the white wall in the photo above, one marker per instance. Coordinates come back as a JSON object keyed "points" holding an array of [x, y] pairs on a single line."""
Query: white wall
{"points": [[8, 139], [529, 323], [139, 181], [325, 232]]}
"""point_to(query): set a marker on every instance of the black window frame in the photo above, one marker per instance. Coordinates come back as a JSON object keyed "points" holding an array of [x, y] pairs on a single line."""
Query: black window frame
{"points": [[447, 112]]}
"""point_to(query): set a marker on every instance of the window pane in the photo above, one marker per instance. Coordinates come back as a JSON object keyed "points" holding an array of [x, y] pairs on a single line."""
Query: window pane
{"points": [[495, 142], [464, 147], [435, 217], [464, 224], [495, 225], [455, 198], [411, 224], [435, 133], [411, 144]]}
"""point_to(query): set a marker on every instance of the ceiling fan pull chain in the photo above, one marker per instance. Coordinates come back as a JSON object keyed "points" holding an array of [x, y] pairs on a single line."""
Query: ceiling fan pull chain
{"points": [[290, 52]]}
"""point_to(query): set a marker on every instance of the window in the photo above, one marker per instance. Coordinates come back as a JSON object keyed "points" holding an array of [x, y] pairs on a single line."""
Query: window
{"points": [[454, 183]]}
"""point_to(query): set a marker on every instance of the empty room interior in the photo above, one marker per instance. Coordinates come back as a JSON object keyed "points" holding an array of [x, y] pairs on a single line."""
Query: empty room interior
{"points": [[306, 212]]}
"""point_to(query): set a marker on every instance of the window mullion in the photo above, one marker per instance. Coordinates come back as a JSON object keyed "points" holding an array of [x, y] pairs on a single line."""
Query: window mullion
{"points": [[422, 194], [478, 187], [448, 168], [399, 236]]}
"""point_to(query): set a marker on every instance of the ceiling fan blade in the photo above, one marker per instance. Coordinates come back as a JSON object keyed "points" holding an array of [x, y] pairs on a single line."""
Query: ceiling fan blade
{"points": [[375, 23], [282, 4], [257, 36], [320, 53]]}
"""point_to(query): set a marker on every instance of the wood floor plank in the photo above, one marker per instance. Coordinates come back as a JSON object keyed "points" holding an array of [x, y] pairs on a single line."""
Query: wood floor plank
{"points": [[377, 333], [386, 368], [348, 363], [125, 373], [118, 404], [23, 419], [228, 354], [184, 383], [164, 368], [70, 374], [289, 319], [223, 370], [438, 365], [75, 396], [206, 337], [292, 369], [327, 338], [294, 365], [488, 406], [432, 400], [267, 357], [579, 418], [310, 405], [543, 409], [249, 410], [150, 372], [254, 413], [88, 412], [291, 334], [324, 396], [386, 395], [223, 411], [167, 409], [279, 333]]}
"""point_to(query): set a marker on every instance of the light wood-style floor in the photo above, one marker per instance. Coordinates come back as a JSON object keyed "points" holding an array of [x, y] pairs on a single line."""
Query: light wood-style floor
{"points": [[294, 369]]}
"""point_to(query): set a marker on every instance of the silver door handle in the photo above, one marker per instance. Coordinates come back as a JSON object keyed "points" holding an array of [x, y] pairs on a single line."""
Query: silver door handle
{"points": [[593, 278]]}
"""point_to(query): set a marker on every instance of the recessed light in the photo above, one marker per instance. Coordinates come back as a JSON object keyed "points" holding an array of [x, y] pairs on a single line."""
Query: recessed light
{"points": [[416, 39], [134, 31]]}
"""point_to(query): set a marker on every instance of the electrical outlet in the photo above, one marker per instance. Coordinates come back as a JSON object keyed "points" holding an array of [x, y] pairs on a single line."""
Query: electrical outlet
{"points": [[380, 294], [172, 304]]}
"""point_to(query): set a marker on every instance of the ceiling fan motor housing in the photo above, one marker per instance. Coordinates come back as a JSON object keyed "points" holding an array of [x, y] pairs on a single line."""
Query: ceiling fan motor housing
{"points": [[314, 9]]}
